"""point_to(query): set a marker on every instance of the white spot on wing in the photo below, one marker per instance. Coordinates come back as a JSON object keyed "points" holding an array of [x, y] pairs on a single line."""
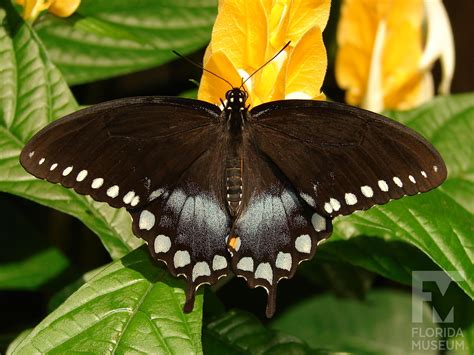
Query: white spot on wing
{"points": [[219, 262], [30, 154], [283, 261], [113, 191], [146, 220], [81, 176], [424, 174], [367, 191], [412, 179], [264, 271], [41, 161], [383, 185], [96, 183], [162, 244], [181, 258], [67, 171], [53, 167], [334, 204], [328, 207], [303, 243], [319, 222], [350, 198], [397, 181], [128, 197], [135, 201], [435, 168], [201, 269], [245, 264]]}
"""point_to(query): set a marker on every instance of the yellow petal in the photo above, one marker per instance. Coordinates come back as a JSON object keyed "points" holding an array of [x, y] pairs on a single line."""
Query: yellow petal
{"points": [[306, 65], [394, 59], [270, 81], [61, 8], [207, 55], [211, 88], [402, 52], [355, 38], [242, 39], [32, 8], [64, 8], [289, 20], [240, 31]]}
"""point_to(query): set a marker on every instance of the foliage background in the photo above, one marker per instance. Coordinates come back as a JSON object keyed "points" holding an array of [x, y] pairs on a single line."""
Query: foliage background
{"points": [[46, 254]]}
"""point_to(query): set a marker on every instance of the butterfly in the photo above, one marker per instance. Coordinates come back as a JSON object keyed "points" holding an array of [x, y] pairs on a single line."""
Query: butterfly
{"points": [[248, 191]]}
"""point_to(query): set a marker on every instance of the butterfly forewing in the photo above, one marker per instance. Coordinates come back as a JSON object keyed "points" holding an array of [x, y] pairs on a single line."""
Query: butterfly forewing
{"points": [[340, 158], [121, 152]]}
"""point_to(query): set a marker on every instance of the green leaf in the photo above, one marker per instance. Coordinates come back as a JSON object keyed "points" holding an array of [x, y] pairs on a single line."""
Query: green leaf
{"points": [[130, 306], [190, 94], [458, 331], [59, 297], [344, 279], [462, 344], [14, 344], [103, 39], [394, 260], [30, 273], [238, 332], [382, 324], [440, 222], [33, 94], [23, 254]]}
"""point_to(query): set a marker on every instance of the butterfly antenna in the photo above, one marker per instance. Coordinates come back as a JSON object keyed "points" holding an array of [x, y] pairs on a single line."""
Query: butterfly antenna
{"points": [[202, 68], [264, 64]]}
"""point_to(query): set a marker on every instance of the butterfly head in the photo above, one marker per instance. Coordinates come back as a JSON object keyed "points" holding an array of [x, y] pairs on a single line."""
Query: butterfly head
{"points": [[236, 99]]}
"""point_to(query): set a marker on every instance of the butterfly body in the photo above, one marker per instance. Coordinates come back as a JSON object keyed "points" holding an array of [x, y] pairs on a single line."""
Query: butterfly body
{"points": [[214, 191]]}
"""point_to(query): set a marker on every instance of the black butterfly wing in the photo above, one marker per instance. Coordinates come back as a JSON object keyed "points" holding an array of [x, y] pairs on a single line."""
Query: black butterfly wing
{"points": [[340, 158], [122, 151], [151, 155], [275, 228], [187, 225]]}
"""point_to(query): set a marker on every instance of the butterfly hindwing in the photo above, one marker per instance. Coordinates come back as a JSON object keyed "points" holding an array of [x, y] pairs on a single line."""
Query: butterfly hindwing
{"points": [[121, 151], [187, 224], [341, 158], [275, 230]]}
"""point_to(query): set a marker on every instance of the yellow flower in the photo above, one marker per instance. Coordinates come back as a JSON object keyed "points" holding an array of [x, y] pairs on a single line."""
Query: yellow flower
{"points": [[381, 61], [61, 8], [248, 33]]}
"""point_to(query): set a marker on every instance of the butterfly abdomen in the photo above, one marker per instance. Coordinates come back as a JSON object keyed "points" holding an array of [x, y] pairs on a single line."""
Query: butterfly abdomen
{"points": [[233, 178]]}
